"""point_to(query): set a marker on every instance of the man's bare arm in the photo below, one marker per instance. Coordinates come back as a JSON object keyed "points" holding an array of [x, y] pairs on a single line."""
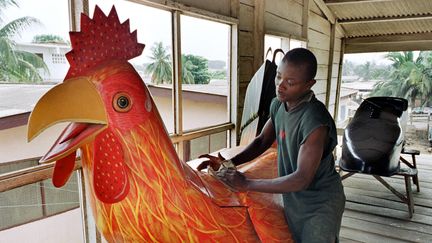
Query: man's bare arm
{"points": [[258, 146], [308, 161]]}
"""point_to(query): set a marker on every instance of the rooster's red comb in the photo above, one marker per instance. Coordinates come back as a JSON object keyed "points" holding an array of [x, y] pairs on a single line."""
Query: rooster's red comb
{"points": [[100, 39]]}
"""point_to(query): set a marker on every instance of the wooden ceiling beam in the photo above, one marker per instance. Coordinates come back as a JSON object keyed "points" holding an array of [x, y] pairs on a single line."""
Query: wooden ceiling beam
{"points": [[327, 12], [390, 38], [407, 42]]}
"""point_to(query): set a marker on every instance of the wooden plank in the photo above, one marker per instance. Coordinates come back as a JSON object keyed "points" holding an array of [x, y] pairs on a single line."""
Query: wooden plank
{"points": [[340, 32], [318, 40], [319, 24], [387, 196], [247, 2], [321, 55], [385, 47], [387, 212], [397, 223], [390, 38], [234, 8], [366, 183], [396, 205], [314, 8], [258, 33], [246, 18], [305, 18], [386, 230], [356, 234], [327, 12], [220, 7], [321, 72], [273, 23], [246, 70], [330, 62], [14, 179], [285, 9], [246, 41], [319, 86], [346, 240], [339, 79], [342, 2]]}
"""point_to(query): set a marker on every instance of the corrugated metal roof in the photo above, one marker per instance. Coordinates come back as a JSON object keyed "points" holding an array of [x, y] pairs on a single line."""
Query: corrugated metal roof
{"points": [[388, 28], [382, 17], [365, 10]]}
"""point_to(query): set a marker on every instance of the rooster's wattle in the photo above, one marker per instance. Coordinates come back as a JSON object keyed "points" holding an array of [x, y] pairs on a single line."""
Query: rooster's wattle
{"points": [[139, 189]]}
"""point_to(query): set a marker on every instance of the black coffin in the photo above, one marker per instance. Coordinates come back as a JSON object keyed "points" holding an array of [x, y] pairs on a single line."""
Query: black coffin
{"points": [[373, 140]]}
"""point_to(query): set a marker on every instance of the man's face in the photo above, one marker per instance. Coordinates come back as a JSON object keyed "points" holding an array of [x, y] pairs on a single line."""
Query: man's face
{"points": [[291, 83]]}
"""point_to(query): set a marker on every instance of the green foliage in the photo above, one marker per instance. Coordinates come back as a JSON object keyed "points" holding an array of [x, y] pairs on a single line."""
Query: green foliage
{"points": [[48, 38], [366, 71], [410, 79], [199, 68], [194, 68], [160, 68], [187, 67], [15, 65], [219, 74]]}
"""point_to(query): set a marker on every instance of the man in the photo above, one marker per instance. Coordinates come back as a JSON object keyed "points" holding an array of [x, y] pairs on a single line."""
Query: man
{"points": [[306, 136]]}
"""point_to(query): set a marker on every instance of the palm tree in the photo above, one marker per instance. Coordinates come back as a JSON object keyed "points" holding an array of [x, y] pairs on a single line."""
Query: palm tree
{"points": [[48, 38], [409, 78], [187, 66], [16, 65], [161, 68]]}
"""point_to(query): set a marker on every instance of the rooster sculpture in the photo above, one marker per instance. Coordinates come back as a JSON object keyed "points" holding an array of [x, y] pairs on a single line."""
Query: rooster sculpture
{"points": [[139, 190]]}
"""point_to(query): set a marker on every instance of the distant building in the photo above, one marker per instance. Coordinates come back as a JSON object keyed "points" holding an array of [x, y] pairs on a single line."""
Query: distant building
{"points": [[363, 87], [53, 54], [347, 104]]}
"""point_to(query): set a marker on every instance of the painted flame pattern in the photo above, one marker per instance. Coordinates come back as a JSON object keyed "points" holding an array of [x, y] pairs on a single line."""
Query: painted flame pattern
{"points": [[161, 206]]}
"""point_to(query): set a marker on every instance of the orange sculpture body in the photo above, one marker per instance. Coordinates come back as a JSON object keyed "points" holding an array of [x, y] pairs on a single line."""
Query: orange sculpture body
{"points": [[139, 189]]}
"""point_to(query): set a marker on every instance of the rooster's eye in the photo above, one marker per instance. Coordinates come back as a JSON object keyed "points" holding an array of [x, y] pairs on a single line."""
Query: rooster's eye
{"points": [[122, 102]]}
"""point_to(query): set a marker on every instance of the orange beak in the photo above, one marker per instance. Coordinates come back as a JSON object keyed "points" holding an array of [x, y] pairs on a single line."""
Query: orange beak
{"points": [[75, 100]]}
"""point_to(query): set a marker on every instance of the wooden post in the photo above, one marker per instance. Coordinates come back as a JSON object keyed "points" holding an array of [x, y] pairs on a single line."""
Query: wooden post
{"points": [[177, 81], [330, 63], [258, 33], [339, 81], [305, 19]]}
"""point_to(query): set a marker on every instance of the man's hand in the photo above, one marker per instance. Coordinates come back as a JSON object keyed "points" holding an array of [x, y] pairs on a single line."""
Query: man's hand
{"points": [[213, 161], [233, 178]]}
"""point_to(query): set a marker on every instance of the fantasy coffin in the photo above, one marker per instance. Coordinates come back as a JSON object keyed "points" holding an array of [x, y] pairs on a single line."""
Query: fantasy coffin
{"points": [[373, 140]]}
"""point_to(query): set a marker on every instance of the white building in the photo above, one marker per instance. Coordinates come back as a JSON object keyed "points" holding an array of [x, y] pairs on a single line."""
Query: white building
{"points": [[53, 54]]}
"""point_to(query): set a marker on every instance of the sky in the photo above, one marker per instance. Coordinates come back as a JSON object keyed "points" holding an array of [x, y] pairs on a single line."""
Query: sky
{"points": [[199, 37], [361, 58]]}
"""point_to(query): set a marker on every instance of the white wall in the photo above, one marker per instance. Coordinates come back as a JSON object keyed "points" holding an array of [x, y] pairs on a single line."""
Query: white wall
{"points": [[14, 146], [57, 71], [65, 227]]}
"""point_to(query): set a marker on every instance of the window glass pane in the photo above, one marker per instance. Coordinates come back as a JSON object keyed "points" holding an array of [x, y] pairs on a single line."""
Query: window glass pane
{"points": [[155, 64], [218, 141], [32, 60], [40, 207], [296, 44], [205, 62], [205, 145], [197, 147]]}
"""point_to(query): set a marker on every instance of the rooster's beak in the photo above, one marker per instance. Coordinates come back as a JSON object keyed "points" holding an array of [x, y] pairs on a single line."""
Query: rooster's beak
{"points": [[75, 100]]}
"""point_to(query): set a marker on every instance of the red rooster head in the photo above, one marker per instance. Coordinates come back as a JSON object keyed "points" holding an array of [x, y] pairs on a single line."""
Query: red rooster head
{"points": [[104, 98]]}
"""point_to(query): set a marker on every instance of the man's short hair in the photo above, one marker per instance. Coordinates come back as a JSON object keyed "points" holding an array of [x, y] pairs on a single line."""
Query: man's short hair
{"points": [[302, 56]]}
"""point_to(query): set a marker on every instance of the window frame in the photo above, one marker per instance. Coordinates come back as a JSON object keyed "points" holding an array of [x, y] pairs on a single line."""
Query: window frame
{"points": [[179, 136]]}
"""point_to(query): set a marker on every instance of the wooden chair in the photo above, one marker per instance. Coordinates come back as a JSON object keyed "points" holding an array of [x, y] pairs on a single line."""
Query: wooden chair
{"points": [[407, 173]]}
